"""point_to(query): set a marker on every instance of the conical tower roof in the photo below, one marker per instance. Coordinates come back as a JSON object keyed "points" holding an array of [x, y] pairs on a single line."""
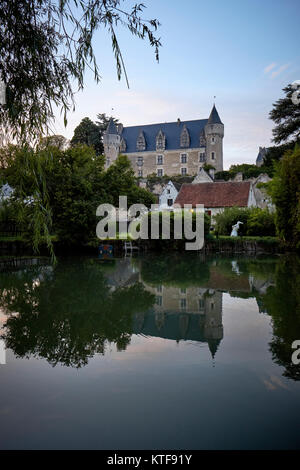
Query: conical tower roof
{"points": [[214, 117], [111, 128], [213, 346]]}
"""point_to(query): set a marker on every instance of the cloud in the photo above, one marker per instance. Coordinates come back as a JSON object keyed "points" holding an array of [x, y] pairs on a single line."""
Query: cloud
{"points": [[269, 70], [279, 71], [269, 67]]}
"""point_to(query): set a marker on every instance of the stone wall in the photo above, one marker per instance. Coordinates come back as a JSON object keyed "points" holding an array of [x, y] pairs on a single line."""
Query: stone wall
{"points": [[171, 162]]}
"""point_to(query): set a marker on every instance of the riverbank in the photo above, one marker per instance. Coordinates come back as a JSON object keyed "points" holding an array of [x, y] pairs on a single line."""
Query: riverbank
{"points": [[16, 246]]}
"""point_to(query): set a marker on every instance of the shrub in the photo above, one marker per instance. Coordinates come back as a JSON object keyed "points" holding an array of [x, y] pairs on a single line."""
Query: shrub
{"points": [[256, 221], [226, 219], [261, 222]]}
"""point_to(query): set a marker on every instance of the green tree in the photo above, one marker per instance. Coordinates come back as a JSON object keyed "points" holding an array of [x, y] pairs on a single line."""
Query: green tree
{"points": [[76, 185], [120, 180], [286, 116], [285, 192], [58, 141], [45, 48], [87, 132]]}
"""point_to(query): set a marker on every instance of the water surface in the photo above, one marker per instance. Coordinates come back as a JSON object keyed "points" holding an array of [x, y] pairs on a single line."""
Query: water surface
{"points": [[157, 352]]}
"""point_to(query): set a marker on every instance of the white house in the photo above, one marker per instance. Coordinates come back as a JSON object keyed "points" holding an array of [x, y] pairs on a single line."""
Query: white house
{"points": [[168, 195], [204, 177]]}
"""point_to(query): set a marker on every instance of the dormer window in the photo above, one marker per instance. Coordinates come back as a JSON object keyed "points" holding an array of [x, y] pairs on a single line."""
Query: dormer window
{"points": [[185, 137], [202, 140], [141, 142], [123, 145], [160, 141]]}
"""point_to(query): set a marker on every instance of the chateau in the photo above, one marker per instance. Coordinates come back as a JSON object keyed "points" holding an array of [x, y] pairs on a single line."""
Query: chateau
{"points": [[171, 148]]}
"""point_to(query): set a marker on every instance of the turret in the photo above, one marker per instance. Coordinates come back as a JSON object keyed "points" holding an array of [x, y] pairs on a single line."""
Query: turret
{"points": [[214, 133], [111, 142]]}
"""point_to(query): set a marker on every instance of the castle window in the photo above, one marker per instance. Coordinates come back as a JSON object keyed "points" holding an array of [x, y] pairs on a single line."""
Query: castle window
{"points": [[170, 202], [201, 304], [140, 173], [183, 157], [158, 300], [108, 161], [183, 171], [202, 140], [141, 143], [123, 145], [212, 155], [160, 172], [201, 157], [184, 137], [183, 304], [160, 159], [140, 161], [212, 140], [160, 141], [159, 288]]}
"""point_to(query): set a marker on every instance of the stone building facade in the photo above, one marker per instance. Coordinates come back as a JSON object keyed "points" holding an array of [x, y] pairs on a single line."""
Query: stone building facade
{"points": [[173, 148]]}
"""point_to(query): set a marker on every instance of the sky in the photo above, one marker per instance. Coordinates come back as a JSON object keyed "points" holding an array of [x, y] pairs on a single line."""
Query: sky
{"points": [[243, 52]]}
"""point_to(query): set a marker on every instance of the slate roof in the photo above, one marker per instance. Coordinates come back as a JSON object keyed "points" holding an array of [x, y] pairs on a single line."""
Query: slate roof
{"points": [[172, 131], [261, 154], [217, 194], [111, 128], [214, 117]]}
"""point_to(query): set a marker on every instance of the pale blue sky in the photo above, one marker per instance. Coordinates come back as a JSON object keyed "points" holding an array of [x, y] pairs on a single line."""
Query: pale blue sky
{"points": [[244, 52]]}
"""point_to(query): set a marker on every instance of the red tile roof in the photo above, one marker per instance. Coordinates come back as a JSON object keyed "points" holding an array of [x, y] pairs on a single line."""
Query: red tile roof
{"points": [[219, 194]]}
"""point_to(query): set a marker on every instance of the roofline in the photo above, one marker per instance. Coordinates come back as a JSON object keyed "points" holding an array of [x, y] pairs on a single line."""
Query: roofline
{"points": [[163, 123]]}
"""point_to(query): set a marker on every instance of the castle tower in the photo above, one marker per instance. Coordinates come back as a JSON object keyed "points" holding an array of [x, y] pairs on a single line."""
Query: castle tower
{"points": [[111, 142], [214, 133]]}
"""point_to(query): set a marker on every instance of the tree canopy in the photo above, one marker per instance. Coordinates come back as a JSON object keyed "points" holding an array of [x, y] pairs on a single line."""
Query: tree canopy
{"points": [[91, 133], [286, 115], [76, 185], [46, 45], [285, 192]]}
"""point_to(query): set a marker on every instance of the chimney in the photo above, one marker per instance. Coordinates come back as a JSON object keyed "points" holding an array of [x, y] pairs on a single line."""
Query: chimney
{"points": [[212, 173]]}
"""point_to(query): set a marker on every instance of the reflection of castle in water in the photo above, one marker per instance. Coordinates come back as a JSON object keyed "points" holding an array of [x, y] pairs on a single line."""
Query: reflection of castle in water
{"points": [[193, 314], [187, 313]]}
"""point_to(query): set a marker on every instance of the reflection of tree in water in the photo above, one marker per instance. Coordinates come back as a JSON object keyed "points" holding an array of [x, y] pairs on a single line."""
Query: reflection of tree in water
{"points": [[283, 304], [182, 270], [67, 315]]}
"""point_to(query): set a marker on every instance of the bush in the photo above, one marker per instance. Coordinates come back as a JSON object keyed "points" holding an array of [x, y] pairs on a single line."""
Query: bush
{"points": [[261, 222], [284, 190], [173, 216], [256, 221], [226, 219]]}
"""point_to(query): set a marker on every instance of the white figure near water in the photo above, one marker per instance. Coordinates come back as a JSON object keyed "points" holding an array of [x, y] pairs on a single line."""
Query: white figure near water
{"points": [[234, 231]]}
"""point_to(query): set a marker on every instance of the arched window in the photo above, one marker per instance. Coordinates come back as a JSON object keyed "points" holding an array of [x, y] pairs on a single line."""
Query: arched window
{"points": [[141, 143], [160, 141], [185, 137]]}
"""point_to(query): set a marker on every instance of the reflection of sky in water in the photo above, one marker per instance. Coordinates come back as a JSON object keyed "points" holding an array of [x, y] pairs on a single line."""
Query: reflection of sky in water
{"points": [[159, 392]]}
